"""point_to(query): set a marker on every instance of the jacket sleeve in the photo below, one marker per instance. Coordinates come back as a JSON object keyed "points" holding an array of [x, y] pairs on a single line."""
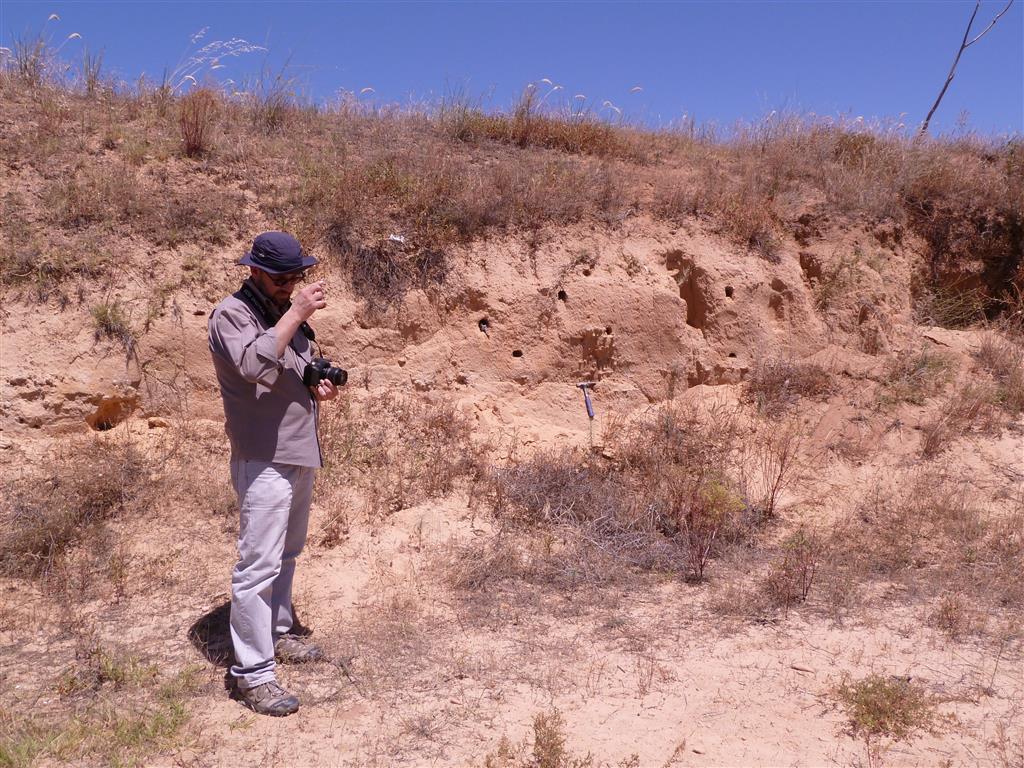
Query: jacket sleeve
{"points": [[237, 338]]}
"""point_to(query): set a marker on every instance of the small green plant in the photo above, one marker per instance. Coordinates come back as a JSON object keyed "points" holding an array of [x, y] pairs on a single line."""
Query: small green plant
{"points": [[112, 323], [547, 750], [884, 706]]}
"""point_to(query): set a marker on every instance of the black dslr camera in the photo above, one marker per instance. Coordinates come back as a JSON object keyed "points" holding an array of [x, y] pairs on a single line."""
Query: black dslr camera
{"points": [[320, 368]]}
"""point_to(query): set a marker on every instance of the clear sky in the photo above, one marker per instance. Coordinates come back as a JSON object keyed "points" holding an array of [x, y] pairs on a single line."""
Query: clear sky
{"points": [[714, 61]]}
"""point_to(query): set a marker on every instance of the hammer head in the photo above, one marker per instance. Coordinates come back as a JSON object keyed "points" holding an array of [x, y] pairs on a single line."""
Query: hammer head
{"points": [[587, 384]]}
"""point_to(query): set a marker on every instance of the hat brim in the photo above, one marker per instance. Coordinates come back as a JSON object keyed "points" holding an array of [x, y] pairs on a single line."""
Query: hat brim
{"points": [[307, 262]]}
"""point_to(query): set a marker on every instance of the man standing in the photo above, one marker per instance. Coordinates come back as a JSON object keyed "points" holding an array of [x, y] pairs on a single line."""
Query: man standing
{"points": [[261, 344]]}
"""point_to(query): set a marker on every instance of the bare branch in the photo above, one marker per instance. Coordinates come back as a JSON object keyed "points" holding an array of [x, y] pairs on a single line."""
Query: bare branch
{"points": [[965, 43], [991, 24]]}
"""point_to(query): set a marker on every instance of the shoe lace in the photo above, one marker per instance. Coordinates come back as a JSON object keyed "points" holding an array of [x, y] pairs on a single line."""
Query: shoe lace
{"points": [[273, 689]]}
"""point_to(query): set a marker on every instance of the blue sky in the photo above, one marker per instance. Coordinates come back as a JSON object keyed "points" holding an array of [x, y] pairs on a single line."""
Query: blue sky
{"points": [[714, 61]]}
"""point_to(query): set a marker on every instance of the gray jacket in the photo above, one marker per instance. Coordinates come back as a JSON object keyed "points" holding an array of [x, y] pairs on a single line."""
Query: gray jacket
{"points": [[270, 414]]}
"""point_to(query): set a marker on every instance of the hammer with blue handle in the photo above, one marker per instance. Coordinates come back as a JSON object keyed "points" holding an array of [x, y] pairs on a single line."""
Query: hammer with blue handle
{"points": [[586, 386]]}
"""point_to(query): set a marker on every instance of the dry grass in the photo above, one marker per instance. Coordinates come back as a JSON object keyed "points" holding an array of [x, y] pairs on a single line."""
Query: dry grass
{"points": [[113, 710], [776, 385], [46, 516], [667, 501], [1003, 358], [925, 531], [575, 130], [350, 175], [197, 119], [972, 408], [546, 749], [913, 378], [394, 451]]}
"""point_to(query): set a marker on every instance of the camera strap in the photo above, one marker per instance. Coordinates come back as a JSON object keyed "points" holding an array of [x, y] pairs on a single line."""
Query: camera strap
{"points": [[267, 309]]}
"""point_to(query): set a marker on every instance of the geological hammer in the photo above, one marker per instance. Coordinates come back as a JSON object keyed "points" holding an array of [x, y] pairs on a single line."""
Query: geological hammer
{"points": [[586, 386]]}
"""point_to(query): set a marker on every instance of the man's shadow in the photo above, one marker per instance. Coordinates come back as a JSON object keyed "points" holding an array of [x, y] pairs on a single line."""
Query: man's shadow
{"points": [[211, 636]]}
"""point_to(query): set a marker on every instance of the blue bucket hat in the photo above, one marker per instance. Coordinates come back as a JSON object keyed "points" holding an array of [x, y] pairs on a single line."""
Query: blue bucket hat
{"points": [[277, 253]]}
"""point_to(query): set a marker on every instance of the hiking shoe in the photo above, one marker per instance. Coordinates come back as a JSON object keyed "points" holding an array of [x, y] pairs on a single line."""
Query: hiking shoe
{"points": [[269, 699], [294, 650]]}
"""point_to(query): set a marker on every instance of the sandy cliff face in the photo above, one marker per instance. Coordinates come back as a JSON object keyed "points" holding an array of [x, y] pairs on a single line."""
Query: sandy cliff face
{"points": [[645, 309]]}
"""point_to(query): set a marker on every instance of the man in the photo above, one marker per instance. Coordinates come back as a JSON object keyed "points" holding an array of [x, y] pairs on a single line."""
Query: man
{"points": [[260, 344]]}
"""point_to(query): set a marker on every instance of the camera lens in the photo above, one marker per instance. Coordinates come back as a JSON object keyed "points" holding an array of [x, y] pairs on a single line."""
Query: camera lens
{"points": [[337, 376]]}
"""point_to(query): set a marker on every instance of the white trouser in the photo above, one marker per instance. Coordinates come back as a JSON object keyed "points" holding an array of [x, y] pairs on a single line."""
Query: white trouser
{"points": [[274, 504]]}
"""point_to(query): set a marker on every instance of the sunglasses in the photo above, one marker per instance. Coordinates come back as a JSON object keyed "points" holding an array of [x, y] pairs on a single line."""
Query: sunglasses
{"points": [[287, 279]]}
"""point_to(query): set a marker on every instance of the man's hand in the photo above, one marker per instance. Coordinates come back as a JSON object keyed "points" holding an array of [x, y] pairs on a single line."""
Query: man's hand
{"points": [[325, 390], [304, 304], [308, 300]]}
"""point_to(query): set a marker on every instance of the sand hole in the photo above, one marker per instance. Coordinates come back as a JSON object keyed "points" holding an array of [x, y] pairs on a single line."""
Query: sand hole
{"points": [[608, 330], [732, 354], [562, 296], [517, 353], [586, 273], [728, 291], [484, 325]]}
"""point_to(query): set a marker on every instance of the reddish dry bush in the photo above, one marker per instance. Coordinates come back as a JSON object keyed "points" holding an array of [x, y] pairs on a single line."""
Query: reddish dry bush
{"points": [[198, 115]]}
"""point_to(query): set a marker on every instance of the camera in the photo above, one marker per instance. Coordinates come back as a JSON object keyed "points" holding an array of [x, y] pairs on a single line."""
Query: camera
{"points": [[320, 368]]}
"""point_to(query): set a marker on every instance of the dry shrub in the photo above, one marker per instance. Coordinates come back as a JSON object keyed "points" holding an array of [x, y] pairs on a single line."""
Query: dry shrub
{"points": [[434, 200], [913, 378], [967, 202], [1003, 359], [383, 275], [546, 749], [44, 517], [668, 500], [114, 194], [739, 203], [396, 451], [924, 529], [197, 116], [775, 385], [972, 408], [886, 706], [530, 124], [791, 575]]}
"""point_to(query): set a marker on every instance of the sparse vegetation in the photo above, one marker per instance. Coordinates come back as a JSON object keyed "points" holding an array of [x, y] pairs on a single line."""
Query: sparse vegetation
{"points": [[148, 716], [567, 565], [776, 385], [913, 378], [44, 516], [887, 706], [547, 748], [396, 451]]}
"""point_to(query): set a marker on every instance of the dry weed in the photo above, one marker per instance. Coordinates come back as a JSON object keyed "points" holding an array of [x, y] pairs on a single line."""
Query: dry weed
{"points": [[775, 385], [395, 451], [197, 117], [46, 516], [666, 501], [913, 378]]}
